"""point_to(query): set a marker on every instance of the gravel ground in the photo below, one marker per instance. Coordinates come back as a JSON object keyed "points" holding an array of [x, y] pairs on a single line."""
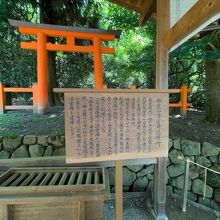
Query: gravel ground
{"points": [[193, 127], [136, 209]]}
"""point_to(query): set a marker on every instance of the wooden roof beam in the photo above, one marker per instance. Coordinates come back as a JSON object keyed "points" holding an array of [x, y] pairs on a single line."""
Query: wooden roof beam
{"points": [[127, 4], [147, 10], [197, 18]]}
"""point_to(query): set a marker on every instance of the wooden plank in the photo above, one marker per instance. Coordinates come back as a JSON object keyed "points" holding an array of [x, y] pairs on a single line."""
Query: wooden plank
{"points": [[178, 8], [46, 179], [5, 175], [28, 179], [140, 118], [97, 178], [11, 89], [94, 210], [18, 107], [10, 179], [89, 210], [106, 183], [43, 198], [107, 91], [128, 5], [146, 10], [118, 191], [161, 49], [72, 178], [80, 178], [56, 189], [48, 211], [19, 179], [37, 179], [5, 212], [63, 179], [89, 177], [163, 24], [206, 12], [27, 190], [160, 186], [54, 179], [55, 169], [33, 162], [60, 161], [81, 211]]}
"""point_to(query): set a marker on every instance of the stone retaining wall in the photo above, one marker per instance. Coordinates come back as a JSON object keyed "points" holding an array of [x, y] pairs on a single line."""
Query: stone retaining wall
{"points": [[138, 177], [31, 146]]}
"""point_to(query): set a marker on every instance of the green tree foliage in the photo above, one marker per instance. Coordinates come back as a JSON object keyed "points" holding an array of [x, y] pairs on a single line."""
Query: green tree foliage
{"points": [[133, 62], [17, 66], [71, 13]]}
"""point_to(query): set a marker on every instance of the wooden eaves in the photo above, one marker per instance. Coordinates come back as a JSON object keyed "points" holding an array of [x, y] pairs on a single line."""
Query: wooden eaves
{"points": [[199, 16], [146, 8]]}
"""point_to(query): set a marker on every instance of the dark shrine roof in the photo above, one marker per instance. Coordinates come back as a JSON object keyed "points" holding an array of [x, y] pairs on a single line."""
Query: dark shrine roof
{"points": [[17, 23]]}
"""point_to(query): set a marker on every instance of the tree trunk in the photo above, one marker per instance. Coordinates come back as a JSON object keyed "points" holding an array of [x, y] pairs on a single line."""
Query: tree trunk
{"points": [[53, 98], [46, 16], [213, 91]]}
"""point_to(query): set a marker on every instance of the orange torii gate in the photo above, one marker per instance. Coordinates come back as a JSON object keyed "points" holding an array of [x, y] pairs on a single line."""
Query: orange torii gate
{"points": [[42, 31]]}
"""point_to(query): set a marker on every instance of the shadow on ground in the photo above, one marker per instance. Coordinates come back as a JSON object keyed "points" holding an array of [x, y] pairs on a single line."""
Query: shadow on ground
{"points": [[193, 127], [137, 209]]}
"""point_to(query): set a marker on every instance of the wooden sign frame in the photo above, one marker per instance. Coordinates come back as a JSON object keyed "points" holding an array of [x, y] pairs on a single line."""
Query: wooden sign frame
{"points": [[149, 107]]}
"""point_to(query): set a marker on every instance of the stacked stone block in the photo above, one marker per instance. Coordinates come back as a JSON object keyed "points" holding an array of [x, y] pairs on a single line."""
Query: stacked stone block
{"points": [[138, 178], [31, 146]]}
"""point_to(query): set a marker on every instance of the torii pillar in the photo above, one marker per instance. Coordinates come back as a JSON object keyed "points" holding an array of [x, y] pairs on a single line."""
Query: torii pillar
{"points": [[42, 75]]}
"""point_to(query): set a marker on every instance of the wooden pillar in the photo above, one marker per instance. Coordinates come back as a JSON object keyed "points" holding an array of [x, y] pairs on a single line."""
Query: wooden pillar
{"points": [[162, 51], [118, 190], [42, 88], [163, 20], [98, 75], [2, 98], [34, 95]]}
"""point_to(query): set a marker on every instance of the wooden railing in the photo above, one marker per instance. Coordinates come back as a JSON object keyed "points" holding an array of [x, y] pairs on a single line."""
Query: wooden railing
{"points": [[4, 90], [183, 104]]}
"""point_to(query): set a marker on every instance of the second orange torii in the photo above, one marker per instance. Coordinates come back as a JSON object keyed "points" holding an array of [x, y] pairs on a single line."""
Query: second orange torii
{"points": [[42, 31]]}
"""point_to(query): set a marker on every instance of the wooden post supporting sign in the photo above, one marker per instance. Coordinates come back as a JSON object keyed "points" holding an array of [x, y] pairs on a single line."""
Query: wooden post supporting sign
{"points": [[118, 190], [118, 164]]}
